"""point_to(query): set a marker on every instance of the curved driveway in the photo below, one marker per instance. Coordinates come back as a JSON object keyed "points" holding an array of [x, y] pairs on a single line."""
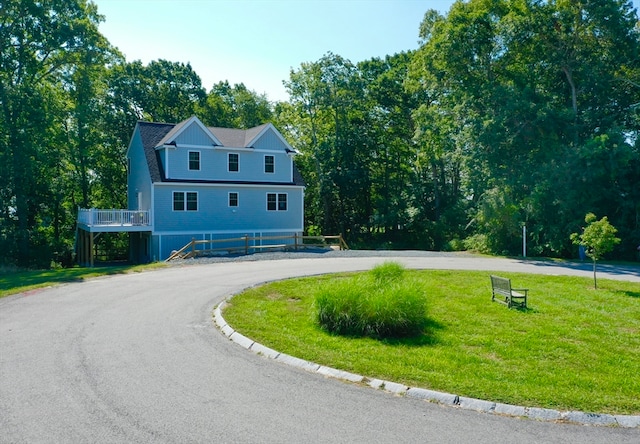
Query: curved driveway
{"points": [[136, 358]]}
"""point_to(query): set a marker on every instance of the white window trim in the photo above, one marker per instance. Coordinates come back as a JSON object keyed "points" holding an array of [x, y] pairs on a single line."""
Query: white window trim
{"points": [[277, 202], [189, 160], [265, 164], [237, 199], [184, 193], [228, 163]]}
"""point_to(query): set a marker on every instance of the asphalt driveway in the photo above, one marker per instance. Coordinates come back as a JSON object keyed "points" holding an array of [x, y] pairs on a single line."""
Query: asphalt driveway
{"points": [[136, 358]]}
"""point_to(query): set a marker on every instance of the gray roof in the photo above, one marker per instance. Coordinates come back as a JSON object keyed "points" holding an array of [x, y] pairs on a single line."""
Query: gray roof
{"points": [[236, 138], [152, 134]]}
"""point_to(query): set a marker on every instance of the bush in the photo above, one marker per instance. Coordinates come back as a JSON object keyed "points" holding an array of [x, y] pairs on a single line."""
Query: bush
{"points": [[381, 303]]}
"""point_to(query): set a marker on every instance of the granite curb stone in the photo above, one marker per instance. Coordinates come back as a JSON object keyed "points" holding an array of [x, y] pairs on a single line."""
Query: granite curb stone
{"points": [[590, 418], [628, 421], [265, 351], [433, 396], [543, 414], [394, 387], [241, 340], [227, 330], [476, 404], [297, 362], [509, 410], [340, 374]]}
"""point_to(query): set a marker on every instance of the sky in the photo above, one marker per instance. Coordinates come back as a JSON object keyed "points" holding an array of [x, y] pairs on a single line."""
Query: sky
{"points": [[258, 42]]}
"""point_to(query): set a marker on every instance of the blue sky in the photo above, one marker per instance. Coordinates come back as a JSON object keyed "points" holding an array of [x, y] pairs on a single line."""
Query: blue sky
{"points": [[257, 42]]}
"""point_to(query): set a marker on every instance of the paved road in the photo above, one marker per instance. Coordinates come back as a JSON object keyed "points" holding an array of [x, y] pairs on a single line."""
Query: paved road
{"points": [[135, 358]]}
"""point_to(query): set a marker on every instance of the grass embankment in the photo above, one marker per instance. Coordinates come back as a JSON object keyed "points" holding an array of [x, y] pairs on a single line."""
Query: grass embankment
{"points": [[575, 348], [14, 281]]}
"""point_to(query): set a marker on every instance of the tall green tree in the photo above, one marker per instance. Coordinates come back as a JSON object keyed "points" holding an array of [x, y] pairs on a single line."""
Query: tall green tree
{"points": [[173, 91], [234, 107], [38, 42], [389, 130], [327, 98]]}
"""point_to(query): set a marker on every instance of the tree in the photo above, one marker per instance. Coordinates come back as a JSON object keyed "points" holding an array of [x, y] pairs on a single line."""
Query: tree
{"points": [[39, 41], [389, 129], [598, 238], [535, 101], [327, 99], [234, 107]]}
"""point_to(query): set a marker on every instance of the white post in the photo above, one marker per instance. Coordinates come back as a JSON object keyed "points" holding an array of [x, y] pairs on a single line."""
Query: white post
{"points": [[524, 241]]}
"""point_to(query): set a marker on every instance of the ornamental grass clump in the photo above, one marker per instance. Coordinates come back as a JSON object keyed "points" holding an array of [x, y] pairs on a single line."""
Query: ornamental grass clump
{"points": [[381, 303]]}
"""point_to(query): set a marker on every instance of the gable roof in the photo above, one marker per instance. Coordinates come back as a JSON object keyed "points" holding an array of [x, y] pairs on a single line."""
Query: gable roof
{"points": [[237, 138], [172, 135], [154, 135]]}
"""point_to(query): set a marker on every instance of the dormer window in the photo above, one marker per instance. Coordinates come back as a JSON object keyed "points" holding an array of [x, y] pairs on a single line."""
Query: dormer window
{"points": [[194, 160], [269, 164], [234, 162]]}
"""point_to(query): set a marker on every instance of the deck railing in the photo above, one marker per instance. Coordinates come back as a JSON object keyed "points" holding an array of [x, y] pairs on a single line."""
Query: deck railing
{"points": [[95, 217], [247, 245]]}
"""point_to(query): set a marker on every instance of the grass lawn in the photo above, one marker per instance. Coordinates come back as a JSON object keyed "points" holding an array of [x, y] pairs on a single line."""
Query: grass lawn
{"points": [[575, 348], [18, 281]]}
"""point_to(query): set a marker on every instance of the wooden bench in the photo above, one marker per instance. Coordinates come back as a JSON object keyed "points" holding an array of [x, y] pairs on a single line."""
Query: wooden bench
{"points": [[503, 293]]}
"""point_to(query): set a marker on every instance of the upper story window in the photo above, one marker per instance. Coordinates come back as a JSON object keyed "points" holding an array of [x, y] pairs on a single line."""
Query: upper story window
{"points": [[269, 164], [185, 201], [233, 199], [234, 162], [194, 160], [276, 202]]}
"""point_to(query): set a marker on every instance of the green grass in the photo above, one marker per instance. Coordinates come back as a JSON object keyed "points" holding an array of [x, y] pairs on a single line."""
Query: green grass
{"points": [[575, 348], [381, 303], [18, 281]]}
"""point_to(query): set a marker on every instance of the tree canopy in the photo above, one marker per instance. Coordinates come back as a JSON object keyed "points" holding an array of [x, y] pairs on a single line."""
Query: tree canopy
{"points": [[510, 113]]}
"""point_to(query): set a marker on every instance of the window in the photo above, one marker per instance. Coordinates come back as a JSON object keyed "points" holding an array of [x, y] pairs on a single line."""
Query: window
{"points": [[271, 202], [180, 198], [192, 201], [194, 160], [269, 164], [233, 162], [282, 202], [276, 202], [178, 201], [233, 199]]}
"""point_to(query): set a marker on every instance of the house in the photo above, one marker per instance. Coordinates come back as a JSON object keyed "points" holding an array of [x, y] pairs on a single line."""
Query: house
{"points": [[187, 181]]}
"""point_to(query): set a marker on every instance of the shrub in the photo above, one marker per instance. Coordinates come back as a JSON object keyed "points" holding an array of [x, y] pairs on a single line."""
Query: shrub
{"points": [[382, 303], [387, 272]]}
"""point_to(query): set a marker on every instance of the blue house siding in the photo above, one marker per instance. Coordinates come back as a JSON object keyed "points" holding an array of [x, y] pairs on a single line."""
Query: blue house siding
{"points": [[194, 135], [268, 141], [215, 214], [138, 179], [214, 162]]}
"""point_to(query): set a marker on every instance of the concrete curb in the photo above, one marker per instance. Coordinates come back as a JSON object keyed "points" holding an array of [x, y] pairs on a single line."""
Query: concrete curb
{"points": [[479, 405]]}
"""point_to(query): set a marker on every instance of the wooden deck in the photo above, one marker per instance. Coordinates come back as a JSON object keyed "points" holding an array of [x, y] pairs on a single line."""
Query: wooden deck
{"points": [[93, 222], [104, 221]]}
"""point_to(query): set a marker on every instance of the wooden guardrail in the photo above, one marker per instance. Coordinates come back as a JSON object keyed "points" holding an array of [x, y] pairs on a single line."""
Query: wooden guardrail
{"points": [[299, 242]]}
